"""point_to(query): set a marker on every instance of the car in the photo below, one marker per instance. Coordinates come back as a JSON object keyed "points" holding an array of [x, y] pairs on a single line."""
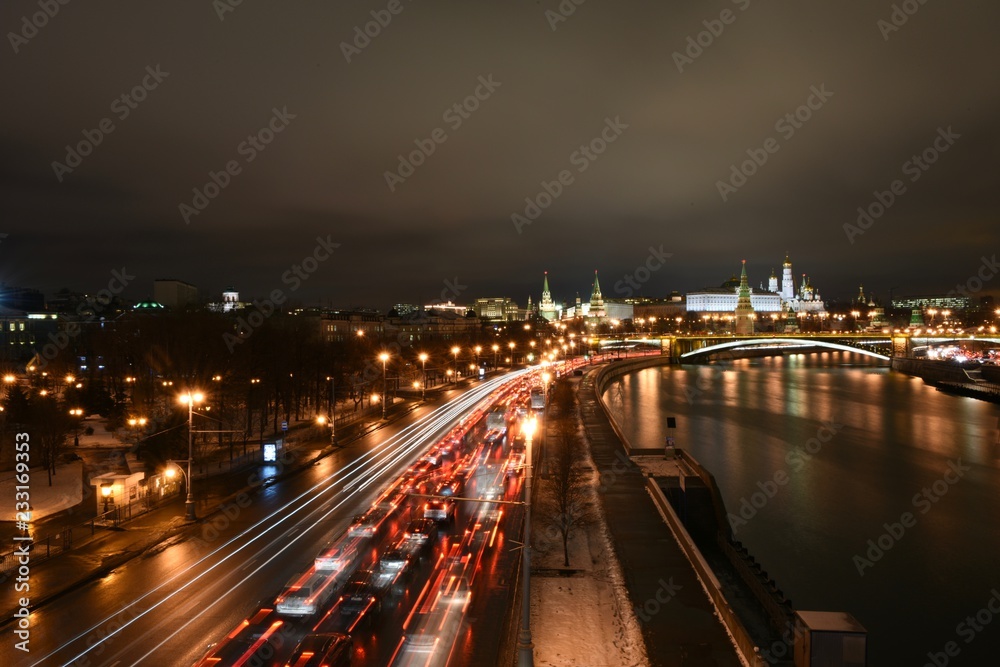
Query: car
{"points": [[359, 595], [395, 567], [515, 463], [331, 649], [432, 460], [440, 510], [422, 532], [452, 487]]}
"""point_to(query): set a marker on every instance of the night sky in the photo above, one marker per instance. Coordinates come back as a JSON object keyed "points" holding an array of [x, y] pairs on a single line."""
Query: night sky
{"points": [[679, 119]]}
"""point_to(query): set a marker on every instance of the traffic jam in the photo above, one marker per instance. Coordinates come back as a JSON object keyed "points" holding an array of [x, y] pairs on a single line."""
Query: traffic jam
{"points": [[418, 551]]}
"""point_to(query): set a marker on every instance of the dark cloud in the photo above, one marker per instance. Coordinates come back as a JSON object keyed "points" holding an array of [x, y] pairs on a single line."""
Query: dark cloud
{"points": [[656, 184]]}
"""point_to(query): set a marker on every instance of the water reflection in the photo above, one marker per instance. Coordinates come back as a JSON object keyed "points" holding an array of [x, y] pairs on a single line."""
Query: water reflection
{"points": [[749, 419]]}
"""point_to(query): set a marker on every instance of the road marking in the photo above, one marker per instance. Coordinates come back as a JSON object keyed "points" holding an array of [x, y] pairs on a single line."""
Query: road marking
{"points": [[249, 563]]}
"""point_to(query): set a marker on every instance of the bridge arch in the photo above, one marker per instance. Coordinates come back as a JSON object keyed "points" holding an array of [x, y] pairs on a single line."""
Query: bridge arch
{"points": [[781, 342]]}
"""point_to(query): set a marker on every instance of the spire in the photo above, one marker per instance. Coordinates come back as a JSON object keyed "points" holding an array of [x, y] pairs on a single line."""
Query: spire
{"points": [[744, 286], [596, 299], [546, 307], [788, 262], [744, 305]]}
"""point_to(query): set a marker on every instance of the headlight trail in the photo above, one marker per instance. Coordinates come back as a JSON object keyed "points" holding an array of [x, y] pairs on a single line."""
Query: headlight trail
{"points": [[364, 470]]}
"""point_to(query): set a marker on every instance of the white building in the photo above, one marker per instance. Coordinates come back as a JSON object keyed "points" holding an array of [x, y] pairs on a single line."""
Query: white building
{"points": [[723, 299], [230, 302]]}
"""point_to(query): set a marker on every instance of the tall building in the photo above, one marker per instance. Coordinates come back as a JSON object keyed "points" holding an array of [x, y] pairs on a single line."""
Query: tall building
{"points": [[806, 299], [175, 294], [596, 300], [496, 309], [744, 308], [547, 307], [787, 280]]}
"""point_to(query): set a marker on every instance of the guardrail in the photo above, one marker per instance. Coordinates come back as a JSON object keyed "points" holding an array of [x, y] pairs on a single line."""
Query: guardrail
{"points": [[749, 651]]}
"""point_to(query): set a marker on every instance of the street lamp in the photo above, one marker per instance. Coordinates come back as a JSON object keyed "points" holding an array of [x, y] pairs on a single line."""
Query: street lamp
{"points": [[106, 491], [384, 358], [478, 349], [525, 654], [455, 351], [423, 372], [136, 423], [511, 346], [190, 399], [76, 412], [496, 349], [333, 408]]}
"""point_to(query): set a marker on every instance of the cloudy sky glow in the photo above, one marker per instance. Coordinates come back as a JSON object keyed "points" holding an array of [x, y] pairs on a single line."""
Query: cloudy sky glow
{"points": [[656, 184]]}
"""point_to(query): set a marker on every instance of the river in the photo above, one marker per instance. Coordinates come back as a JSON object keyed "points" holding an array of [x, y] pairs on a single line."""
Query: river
{"points": [[840, 451]]}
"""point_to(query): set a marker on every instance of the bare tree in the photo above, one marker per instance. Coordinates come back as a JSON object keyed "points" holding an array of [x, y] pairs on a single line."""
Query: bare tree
{"points": [[567, 504], [49, 426]]}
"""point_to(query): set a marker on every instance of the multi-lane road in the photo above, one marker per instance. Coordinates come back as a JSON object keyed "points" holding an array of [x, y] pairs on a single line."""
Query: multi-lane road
{"points": [[171, 605]]}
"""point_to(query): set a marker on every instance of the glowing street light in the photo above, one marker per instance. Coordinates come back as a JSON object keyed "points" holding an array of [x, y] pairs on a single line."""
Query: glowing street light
{"points": [[136, 423], [77, 413], [496, 349], [384, 358], [455, 350], [423, 369], [190, 399]]}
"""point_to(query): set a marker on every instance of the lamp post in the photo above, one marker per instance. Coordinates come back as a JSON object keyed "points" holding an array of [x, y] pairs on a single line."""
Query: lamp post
{"points": [[332, 411], [477, 349], [525, 653], [455, 351], [106, 491], [135, 423], [190, 399], [496, 349], [384, 357], [423, 372], [77, 413], [511, 346]]}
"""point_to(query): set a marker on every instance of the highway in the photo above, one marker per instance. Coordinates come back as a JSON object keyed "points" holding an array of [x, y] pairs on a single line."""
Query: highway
{"points": [[169, 606]]}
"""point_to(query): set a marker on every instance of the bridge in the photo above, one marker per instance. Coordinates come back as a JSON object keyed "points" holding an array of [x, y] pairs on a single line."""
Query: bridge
{"points": [[881, 346]]}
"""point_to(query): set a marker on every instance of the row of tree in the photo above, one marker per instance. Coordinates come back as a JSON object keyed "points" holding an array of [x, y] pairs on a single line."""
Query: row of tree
{"points": [[137, 366]]}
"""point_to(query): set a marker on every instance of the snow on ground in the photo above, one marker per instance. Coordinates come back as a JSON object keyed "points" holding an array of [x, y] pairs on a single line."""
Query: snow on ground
{"points": [[657, 465], [66, 491], [585, 618], [101, 436]]}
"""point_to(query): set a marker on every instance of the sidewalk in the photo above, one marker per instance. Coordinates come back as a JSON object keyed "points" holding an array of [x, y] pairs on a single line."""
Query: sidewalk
{"points": [[581, 613], [678, 621]]}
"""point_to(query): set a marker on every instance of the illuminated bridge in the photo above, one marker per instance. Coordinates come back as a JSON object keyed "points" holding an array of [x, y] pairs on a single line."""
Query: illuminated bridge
{"points": [[693, 348]]}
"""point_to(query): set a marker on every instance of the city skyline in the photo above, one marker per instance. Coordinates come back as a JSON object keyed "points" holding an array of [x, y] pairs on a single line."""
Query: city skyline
{"points": [[644, 281]]}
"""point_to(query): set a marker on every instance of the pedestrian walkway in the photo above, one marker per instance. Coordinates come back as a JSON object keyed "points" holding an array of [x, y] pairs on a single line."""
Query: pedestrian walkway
{"points": [[679, 623]]}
